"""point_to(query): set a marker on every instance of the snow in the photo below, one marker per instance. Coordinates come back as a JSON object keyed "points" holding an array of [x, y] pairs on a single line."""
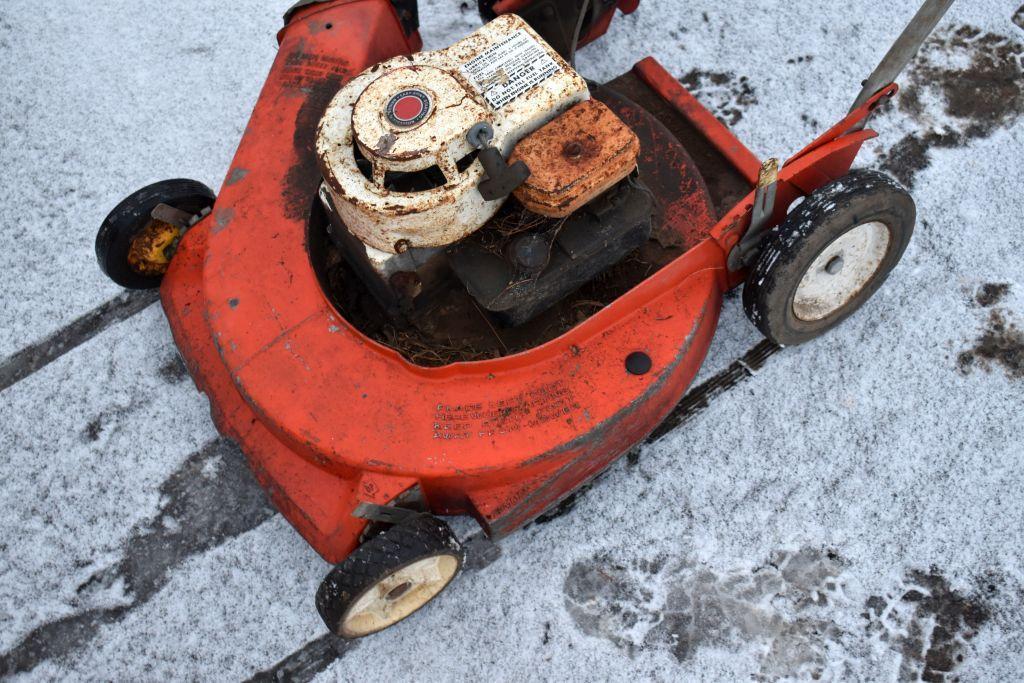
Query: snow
{"points": [[823, 517], [87, 442], [101, 99], [223, 614]]}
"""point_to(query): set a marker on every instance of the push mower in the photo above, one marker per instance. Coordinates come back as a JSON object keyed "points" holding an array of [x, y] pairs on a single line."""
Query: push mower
{"points": [[464, 282]]}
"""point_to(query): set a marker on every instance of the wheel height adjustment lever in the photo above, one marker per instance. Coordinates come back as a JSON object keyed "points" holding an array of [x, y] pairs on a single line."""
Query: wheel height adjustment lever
{"points": [[744, 253], [502, 178]]}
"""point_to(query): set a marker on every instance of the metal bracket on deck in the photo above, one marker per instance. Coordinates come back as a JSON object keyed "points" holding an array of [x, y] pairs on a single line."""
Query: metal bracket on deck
{"points": [[172, 216], [384, 513], [744, 253]]}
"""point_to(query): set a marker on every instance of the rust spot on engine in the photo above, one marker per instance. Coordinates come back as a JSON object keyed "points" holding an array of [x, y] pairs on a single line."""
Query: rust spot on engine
{"points": [[386, 142]]}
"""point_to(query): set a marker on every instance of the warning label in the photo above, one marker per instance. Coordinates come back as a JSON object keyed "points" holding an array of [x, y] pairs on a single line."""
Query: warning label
{"points": [[510, 68], [527, 410]]}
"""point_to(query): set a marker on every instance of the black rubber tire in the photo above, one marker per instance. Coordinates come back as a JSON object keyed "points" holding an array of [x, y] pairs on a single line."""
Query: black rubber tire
{"points": [[132, 215], [791, 248], [415, 539]]}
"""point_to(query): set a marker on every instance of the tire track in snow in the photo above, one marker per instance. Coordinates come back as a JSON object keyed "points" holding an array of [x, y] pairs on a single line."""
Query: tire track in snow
{"points": [[211, 499], [697, 400], [37, 356], [307, 663]]}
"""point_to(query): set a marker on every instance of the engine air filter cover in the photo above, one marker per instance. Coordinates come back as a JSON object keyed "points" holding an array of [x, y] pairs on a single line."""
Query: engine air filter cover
{"points": [[575, 158]]}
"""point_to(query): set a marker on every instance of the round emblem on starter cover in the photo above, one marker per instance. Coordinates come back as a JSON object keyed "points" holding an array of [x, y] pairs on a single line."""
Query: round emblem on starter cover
{"points": [[408, 108]]}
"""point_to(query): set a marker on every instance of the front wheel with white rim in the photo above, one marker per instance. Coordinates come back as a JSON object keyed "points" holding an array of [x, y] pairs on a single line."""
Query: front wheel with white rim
{"points": [[389, 577], [829, 257]]}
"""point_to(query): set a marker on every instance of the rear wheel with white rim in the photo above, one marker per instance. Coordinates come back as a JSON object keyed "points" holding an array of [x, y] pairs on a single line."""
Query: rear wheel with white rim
{"points": [[389, 577], [829, 257]]}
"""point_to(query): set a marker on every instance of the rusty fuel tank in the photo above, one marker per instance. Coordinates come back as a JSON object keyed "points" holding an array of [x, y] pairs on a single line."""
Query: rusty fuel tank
{"points": [[575, 158]]}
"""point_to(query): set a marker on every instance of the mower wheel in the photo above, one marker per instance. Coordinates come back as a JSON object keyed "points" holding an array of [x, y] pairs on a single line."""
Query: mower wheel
{"points": [[829, 257], [389, 577], [132, 247]]}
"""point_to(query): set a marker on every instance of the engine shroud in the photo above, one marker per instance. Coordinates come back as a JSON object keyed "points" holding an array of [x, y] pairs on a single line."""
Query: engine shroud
{"points": [[409, 117]]}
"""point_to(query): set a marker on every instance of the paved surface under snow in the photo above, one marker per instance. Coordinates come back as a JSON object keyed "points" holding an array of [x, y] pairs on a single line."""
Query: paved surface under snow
{"points": [[852, 511]]}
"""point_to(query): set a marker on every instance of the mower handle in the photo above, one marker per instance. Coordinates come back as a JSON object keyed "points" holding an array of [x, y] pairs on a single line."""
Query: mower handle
{"points": [[903, 50]]}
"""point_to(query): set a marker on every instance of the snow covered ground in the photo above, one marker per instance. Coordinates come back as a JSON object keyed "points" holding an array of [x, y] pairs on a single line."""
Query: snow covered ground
{"points": [[854, 511]]}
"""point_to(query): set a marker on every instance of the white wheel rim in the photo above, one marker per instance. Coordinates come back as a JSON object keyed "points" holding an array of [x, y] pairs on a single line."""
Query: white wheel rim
{"points": [[398, 595], [841, 271]]}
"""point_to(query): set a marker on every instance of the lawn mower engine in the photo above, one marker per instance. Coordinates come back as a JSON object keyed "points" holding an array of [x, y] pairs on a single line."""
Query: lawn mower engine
{"points": [[417, 187]]}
